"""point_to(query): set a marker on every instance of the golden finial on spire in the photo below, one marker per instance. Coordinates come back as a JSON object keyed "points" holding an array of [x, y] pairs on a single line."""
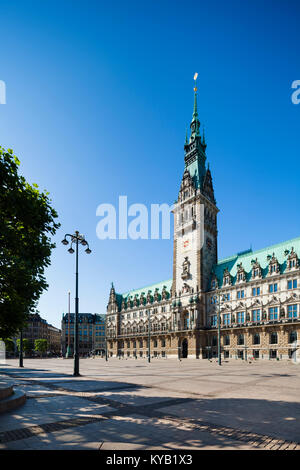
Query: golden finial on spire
{"points": [[195, 78]]}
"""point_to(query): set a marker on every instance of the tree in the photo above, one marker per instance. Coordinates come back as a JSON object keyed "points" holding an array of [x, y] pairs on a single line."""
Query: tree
{"points": [[27, 346], [40, 345], [27, 221]]}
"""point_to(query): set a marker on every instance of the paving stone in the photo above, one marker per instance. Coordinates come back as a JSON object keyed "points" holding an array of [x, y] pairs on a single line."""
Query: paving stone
{"points": [[164, 404]]}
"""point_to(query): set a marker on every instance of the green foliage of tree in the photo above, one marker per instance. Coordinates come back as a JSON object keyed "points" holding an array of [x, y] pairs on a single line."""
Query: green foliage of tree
{"points": [[40, 345], [27, 346], [27, 221]]}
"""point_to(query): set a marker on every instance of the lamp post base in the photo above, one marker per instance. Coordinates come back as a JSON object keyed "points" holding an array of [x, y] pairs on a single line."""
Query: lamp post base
{"points": [[76, 365], [68, 353]]}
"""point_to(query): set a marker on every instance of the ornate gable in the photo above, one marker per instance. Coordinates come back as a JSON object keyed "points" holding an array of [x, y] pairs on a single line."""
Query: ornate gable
{"points": [[292, 298], [187, 187], [241, 273], [273, 301], [273, 265], [135, 301], [256, 269], [292, 259], [227, 281], [156, 295], [164, 293], [239, 306], [149, 297], [256, 303], [142, 299], [208, 189]]}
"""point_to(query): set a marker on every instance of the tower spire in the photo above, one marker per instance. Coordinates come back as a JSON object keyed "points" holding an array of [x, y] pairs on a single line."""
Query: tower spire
{"points": [[195, 124], [195, 156], [195, 112]]}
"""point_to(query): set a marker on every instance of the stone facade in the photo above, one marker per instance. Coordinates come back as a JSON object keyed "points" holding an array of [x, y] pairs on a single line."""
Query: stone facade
{"points": [[251, 301], [91, 331], [38, 328]]}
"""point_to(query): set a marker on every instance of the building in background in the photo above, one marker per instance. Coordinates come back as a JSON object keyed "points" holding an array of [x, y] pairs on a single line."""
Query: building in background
{"points": [[91, 331], [38, 328], [54, 339], [258, 291]]}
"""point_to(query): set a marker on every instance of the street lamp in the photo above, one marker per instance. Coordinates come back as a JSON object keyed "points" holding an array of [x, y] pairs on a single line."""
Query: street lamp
{"points": [[76, 239], [149, 335], [21, 349], [69, 330], [218, 300]]}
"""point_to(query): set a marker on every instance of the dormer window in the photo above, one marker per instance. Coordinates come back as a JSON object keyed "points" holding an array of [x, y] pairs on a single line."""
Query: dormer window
{"points": [[256, 269], [273, 264], [292, 260], [241, 275], [226, 277]]}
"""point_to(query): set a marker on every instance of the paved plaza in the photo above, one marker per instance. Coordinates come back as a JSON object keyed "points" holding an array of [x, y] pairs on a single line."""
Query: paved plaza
{"points": [[167, 404]]}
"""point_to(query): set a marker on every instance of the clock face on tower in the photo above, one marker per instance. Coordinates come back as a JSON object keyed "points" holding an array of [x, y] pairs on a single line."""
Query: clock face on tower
{"points": [[186, 244]]}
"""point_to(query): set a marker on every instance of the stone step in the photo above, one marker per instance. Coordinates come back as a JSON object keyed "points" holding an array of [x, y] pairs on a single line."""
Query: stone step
{"points": [[6, 390], [13, 401]]}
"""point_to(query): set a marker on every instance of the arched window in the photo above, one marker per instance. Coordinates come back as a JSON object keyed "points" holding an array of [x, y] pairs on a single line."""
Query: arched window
{"points": [[240, 339], [227, 340], [273, 338], [256, 338], [292, 336]]}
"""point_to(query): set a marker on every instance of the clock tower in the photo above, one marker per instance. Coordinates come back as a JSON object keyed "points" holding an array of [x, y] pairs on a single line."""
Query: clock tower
{"points": [[195, 221]]}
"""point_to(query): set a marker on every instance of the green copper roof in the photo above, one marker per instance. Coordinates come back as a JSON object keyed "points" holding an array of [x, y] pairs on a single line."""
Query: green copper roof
{"points": [[195, 150], [197, 171], [152, 288], [195, 110], [248, 256]]}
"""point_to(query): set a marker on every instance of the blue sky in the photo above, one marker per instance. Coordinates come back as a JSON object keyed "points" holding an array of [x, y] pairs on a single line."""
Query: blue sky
{"points": [[98, 98]]}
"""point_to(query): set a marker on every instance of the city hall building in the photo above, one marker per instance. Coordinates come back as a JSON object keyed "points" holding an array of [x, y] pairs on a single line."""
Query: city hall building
{"points": [[254, 294]]}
